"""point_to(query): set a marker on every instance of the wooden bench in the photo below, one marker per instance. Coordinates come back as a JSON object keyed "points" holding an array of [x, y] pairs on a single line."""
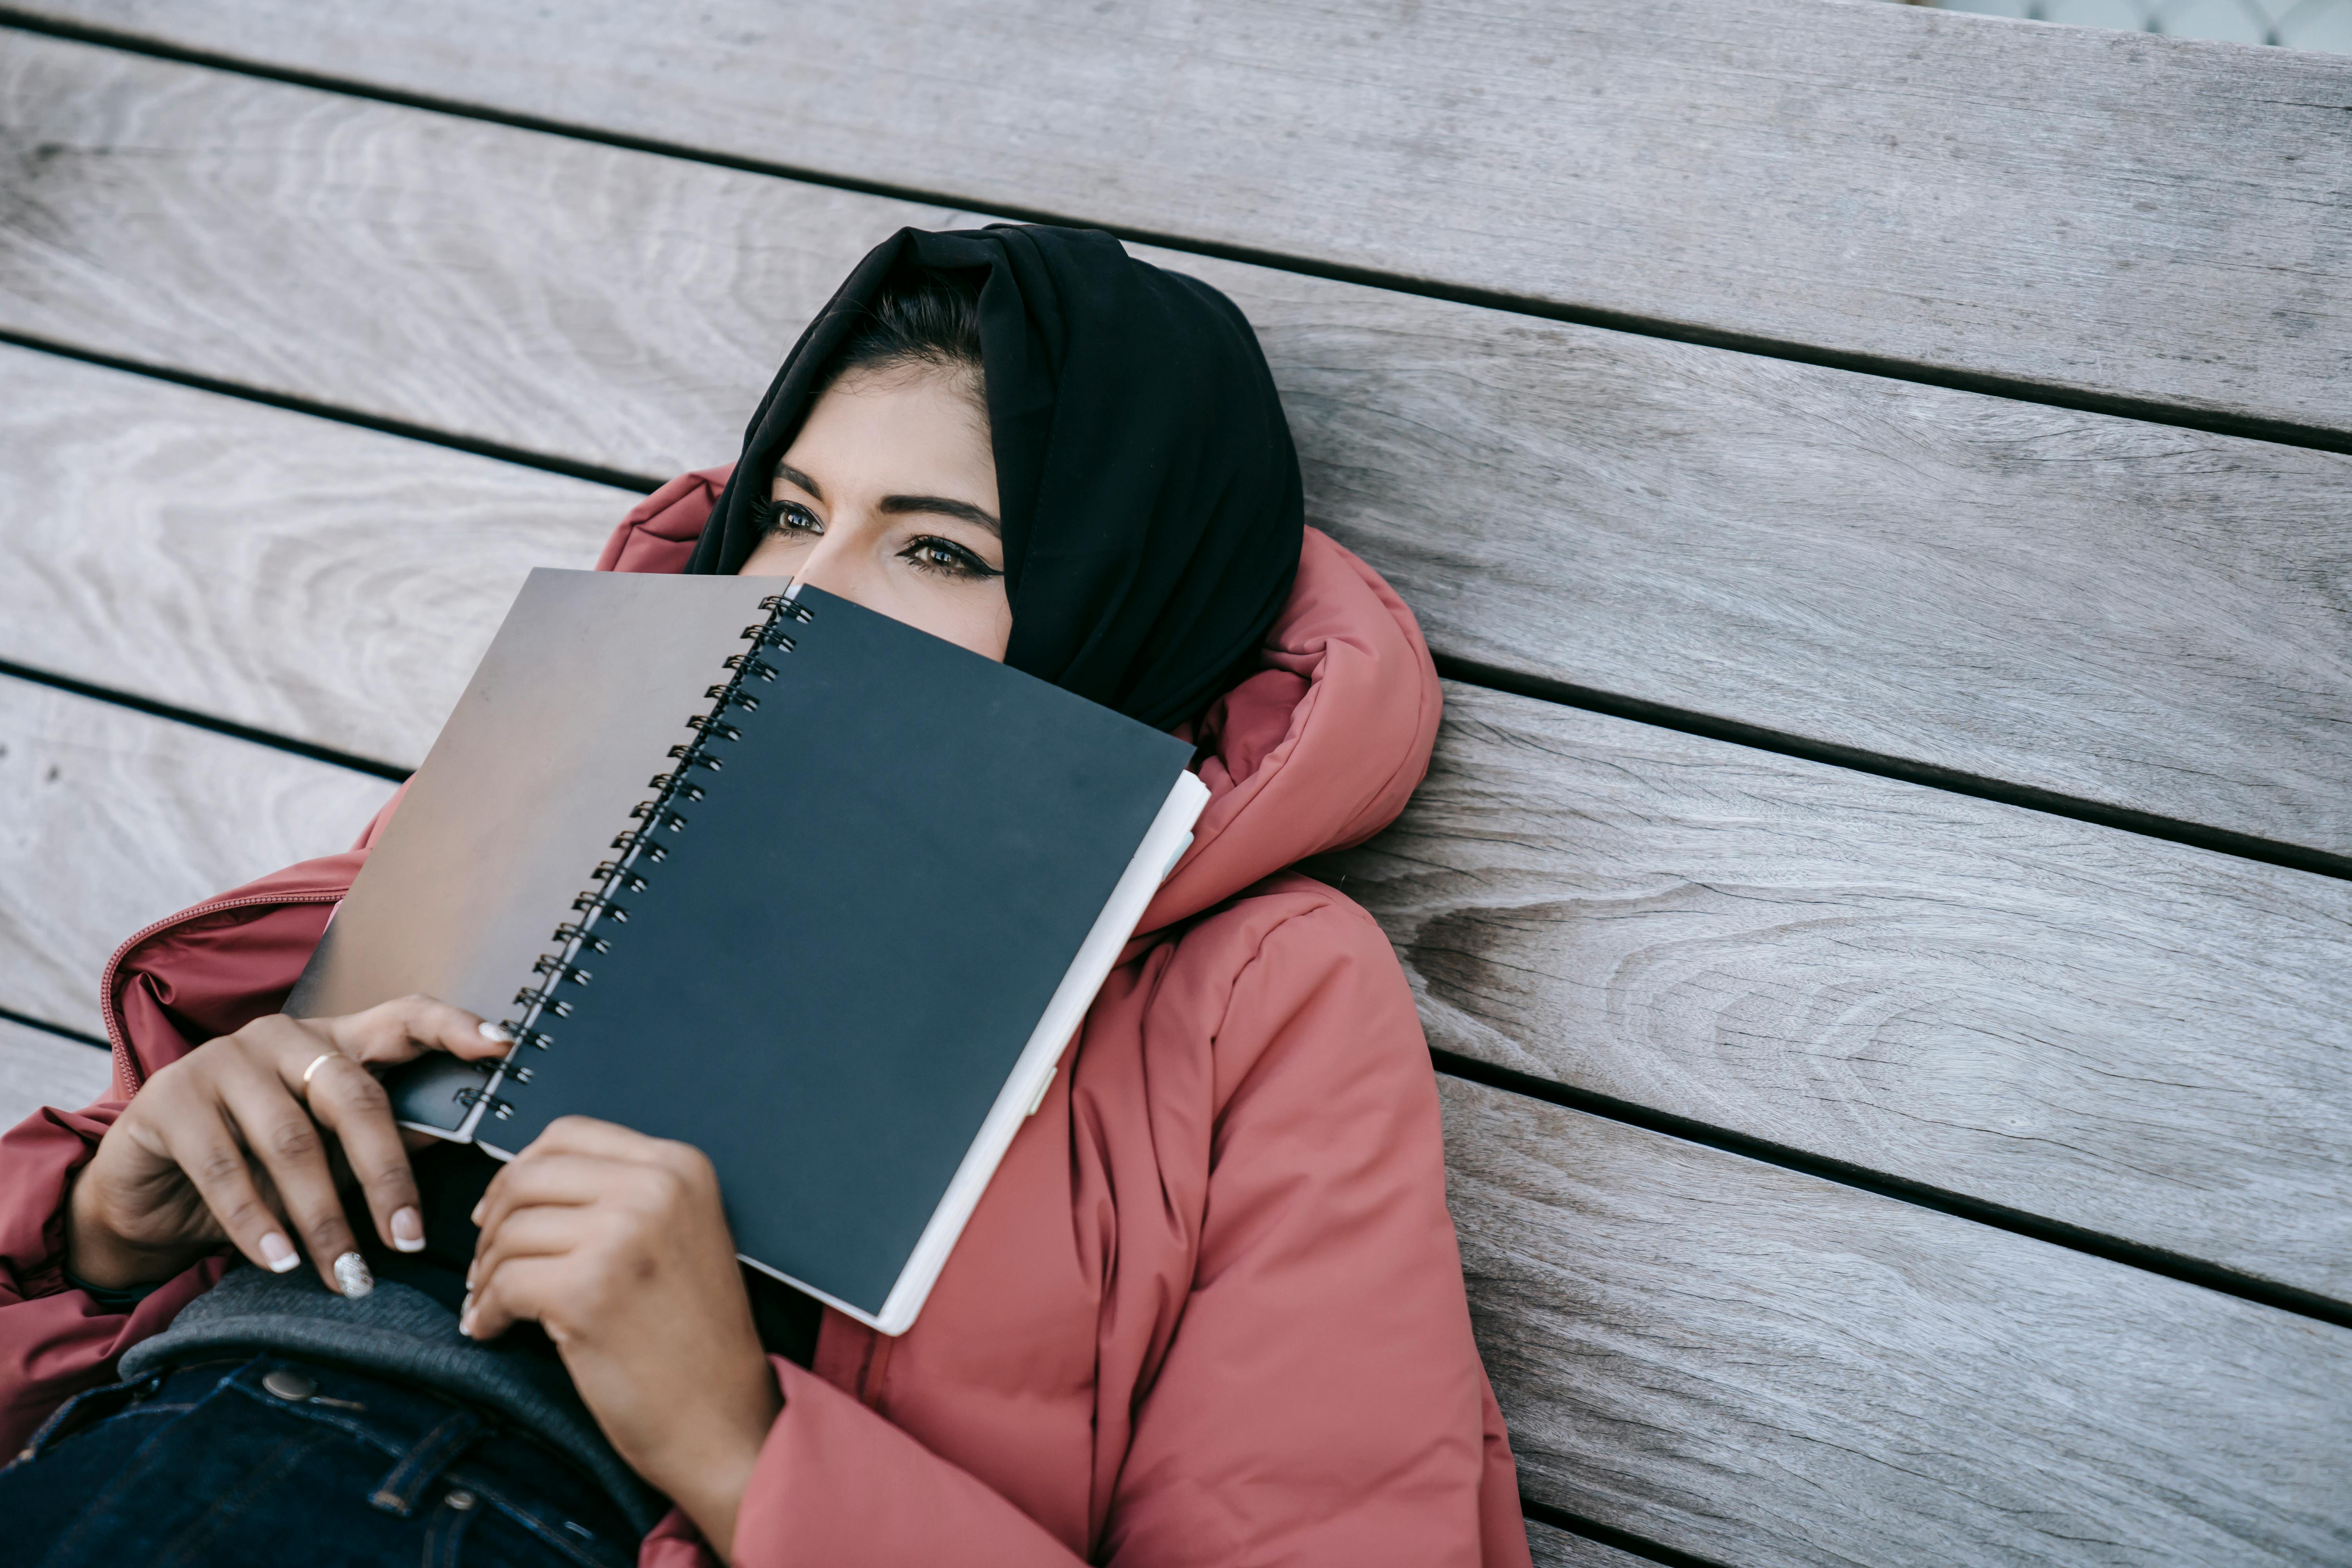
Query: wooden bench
{"points": [[1876, 481]]}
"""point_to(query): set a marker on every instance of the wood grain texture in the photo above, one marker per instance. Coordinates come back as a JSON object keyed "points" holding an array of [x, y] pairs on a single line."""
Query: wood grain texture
{"points": [[2124, 612], [1765, 1369], [1559, 1549], [564, 298], [2116, 214], [2115, 611], [114, 819], [1982, 998], [2140, 1038], [290, 573], [40, 1069]]}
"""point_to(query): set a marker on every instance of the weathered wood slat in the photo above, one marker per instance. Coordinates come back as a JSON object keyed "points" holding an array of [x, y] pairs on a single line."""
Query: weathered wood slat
{"points": [[1985, 999], [40, 1069], [2114, 214], [1765, 1369], [2136, 1038], [2125, 613], [1971, 995], [606, 308], [2110, 610], [1559, 1549], [303, 576], [115, 819]]}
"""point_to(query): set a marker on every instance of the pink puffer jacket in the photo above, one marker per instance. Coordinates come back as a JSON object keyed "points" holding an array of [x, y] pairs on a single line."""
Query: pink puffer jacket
{"points": [[1210, 1311]]}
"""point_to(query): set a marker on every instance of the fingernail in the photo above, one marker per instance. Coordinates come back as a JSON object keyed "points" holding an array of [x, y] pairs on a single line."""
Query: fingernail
{"points": [[279, 1252], [475, 1218], [351, 1275], [496, 1032], [408, 1230], [466, 1316], [470, 1267]]}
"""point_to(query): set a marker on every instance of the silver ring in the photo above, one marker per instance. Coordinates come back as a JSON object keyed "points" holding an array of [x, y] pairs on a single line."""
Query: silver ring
{"points": [[322, 1056]]}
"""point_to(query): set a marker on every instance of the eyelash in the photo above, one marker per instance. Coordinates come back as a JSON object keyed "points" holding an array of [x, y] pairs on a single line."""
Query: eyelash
{"points": [[964, 565], [778, 516]]}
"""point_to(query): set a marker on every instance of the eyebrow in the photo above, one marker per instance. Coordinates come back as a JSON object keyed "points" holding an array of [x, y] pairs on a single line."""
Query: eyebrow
{"points": [[938, 506], [792, 476], [941, 506]]}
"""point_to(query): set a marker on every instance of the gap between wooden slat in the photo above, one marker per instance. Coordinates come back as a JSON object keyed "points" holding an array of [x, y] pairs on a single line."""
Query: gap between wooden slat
{"points": [[188, 716], [1610, 1535], [2245, 846], [60, 1030], [1960, 1205], [2017, 389], [2149, 825], [592, 472]]}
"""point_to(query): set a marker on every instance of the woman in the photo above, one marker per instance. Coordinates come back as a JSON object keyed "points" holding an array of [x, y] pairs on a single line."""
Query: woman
{"points": [[1210, 1309]]}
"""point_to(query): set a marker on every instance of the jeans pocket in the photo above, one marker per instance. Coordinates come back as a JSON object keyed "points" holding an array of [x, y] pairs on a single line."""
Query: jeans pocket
{"points": [[84, 1410]]}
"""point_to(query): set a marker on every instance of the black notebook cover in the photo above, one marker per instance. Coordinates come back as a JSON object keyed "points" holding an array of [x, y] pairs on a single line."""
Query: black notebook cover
{"points": [[825, 942]]}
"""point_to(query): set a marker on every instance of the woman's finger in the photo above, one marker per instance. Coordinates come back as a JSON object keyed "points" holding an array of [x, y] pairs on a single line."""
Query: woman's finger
{"points": [[278, 1133], [407, 1026], [522, 1289], [571, 1138], [531, 1233], [215, 1163], [346, 1099], [604, 1140], [564, 1180]]}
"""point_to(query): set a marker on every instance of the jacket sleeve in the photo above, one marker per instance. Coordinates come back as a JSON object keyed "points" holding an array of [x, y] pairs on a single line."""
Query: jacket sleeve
{"points": [[838, 1483], [1321, 1400], [199, 976], [55, 1341]]}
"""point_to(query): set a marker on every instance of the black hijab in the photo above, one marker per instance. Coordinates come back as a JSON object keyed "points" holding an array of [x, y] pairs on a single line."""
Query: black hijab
{"points": [[1147, 487]]}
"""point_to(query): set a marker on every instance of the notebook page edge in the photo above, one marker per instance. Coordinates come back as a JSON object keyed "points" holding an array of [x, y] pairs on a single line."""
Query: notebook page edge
{"points": [[1166, 839]]}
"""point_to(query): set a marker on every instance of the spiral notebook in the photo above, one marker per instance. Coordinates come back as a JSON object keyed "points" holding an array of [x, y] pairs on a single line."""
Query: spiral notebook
{"points": [[773, 875]]}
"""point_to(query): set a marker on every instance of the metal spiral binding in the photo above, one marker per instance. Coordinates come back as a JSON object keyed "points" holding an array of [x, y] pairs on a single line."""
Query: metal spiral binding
{"points": [[501, 1108], [634, 850]]}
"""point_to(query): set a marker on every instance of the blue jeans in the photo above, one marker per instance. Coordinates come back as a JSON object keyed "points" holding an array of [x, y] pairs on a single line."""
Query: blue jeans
{"points": [[314, 1465]]}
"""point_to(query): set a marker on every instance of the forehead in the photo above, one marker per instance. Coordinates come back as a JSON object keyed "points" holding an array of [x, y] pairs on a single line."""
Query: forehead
{"points": [[893, 429]]}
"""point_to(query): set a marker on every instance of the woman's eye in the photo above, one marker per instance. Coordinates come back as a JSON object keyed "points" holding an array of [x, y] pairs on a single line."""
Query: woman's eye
{"points": [[790, 516], [947, 558]]}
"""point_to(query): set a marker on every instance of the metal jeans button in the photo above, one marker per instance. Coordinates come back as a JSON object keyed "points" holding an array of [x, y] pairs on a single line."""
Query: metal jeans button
{"points": [[289, 1384], [460, 1498]]}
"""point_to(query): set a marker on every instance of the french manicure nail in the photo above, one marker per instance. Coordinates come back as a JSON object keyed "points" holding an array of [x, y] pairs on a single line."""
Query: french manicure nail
{"points": [[351, 1275], [465, 1317], [475, 1218], [470, 1268], [280, 1253], [494, 1032], [408, 1230]]}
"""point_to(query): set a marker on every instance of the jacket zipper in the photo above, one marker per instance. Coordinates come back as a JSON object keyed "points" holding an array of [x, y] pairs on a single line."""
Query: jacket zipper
{"points": [[126, 1066]]}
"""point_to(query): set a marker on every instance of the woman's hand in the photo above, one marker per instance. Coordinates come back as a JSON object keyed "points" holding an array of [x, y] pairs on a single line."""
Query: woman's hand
{"points": [[614, 1243], [225, 1145]]}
